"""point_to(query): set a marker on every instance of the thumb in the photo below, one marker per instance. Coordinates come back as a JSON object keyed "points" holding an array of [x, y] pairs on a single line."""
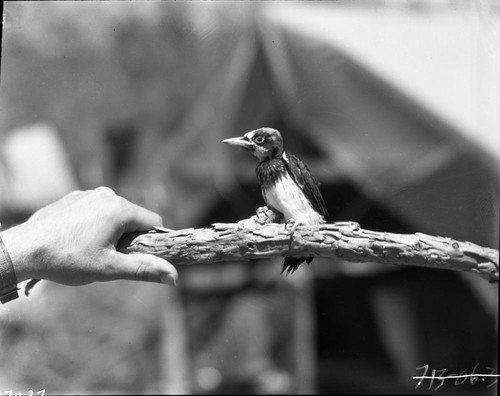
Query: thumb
{"points": [[145, 267]]}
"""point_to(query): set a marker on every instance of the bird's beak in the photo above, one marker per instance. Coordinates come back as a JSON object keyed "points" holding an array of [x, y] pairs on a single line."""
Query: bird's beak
{"points": [[239, 142]]}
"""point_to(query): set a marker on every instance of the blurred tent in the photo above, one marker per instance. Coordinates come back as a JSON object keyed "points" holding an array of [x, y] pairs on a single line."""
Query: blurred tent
{"points": [[381, 101], [402, 104], [412, 123]]}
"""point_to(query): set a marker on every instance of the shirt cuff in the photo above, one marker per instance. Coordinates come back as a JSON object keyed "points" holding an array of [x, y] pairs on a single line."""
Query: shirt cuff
{"points": [[8, 280]]}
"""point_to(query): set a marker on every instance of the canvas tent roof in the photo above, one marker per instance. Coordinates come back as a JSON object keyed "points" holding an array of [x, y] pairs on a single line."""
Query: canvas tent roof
{"points": [[436, 162], [421, 157], [445, 60]]}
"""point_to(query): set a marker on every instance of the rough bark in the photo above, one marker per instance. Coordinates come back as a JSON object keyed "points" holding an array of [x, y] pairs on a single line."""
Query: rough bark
{"points": [[250, 240]]}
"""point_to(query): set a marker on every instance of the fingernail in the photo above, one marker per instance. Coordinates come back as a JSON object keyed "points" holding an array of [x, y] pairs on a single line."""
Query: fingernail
{"points": [[168, 279]]}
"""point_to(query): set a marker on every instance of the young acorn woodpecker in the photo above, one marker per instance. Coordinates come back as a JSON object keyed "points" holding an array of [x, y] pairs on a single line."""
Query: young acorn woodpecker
{"points": [[287, 185]]}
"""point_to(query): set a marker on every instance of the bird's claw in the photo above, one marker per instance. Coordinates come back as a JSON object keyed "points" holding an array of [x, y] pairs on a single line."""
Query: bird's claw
{"points": [[291, 225], [262, 209]]}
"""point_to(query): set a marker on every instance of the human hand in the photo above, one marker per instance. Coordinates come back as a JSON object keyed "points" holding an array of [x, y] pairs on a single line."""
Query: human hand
{"points": [[73, 241]]}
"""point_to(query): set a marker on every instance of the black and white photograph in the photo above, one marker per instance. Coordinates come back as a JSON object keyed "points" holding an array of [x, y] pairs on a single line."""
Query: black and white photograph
{"points": [[249, 197]]}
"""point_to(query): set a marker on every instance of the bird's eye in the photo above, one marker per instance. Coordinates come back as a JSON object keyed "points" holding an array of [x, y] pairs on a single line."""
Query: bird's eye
{"points": [[259, 139]]}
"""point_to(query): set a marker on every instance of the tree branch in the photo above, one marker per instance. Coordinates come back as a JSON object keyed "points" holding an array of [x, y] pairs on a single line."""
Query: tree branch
{"points": [[250, 240]]}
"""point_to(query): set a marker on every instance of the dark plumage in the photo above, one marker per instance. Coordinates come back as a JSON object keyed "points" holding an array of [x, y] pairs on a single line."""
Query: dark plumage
{"points": [[287, 185], [270, 171]]}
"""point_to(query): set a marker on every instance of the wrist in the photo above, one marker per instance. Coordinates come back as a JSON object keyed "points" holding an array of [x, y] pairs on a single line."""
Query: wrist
{"points": [[8, 279], [22, 254]]}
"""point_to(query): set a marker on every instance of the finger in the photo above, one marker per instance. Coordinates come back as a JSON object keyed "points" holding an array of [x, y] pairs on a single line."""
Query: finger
{"points": [[141, 219], [72, 196], [59, 205], [104, 191], [66, 201], [144, 267]]}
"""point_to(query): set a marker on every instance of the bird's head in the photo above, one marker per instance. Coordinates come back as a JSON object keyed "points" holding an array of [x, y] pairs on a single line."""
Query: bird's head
{"points": [[264, 143]]}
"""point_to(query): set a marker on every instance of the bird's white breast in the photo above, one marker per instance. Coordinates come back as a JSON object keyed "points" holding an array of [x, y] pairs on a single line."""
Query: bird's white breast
{"points": [[287, 198]]}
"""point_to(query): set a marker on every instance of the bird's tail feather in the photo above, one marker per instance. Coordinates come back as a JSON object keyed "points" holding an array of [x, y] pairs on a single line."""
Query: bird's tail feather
{"points": [[291, 264]]}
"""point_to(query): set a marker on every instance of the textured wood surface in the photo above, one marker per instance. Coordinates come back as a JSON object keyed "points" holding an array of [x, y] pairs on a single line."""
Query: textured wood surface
{"points": [[249, 240]]}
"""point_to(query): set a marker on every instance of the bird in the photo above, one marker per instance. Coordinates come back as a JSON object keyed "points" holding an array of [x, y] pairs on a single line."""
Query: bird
{"points": [[287, 185]]}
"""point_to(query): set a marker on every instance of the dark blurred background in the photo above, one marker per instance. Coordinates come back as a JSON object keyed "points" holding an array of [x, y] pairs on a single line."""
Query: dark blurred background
{"points": [[394, 106]]}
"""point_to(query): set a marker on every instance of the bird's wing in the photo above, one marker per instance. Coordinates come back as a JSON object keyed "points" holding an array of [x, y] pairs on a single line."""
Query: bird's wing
{"points": [[304, 178]]}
